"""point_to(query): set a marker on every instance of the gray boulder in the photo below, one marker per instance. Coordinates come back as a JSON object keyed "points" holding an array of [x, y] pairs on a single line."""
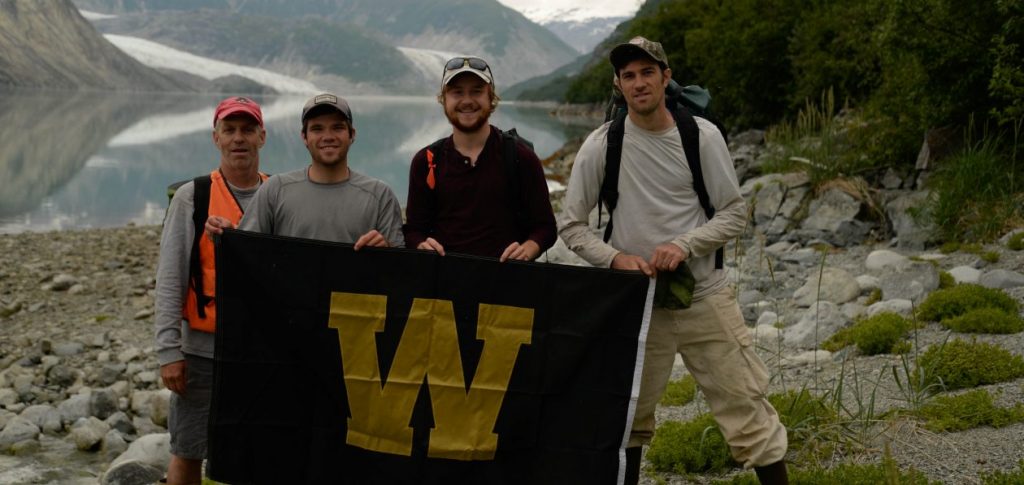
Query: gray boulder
{"points": [[113, 444], [74, 408], [898, 306], [152, 450], [883, 259], [827, 212], [913, 282], [121, 422], [818, 324], [103, 403], [913, 228], [965, 274], [1001, 279], [837, 286], [131, 473], [87, 433], [46, 417], [18, 429]]}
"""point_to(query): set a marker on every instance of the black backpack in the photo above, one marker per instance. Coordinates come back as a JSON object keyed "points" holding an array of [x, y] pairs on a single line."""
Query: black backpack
{"points": [[684, 103], [510, 156]]}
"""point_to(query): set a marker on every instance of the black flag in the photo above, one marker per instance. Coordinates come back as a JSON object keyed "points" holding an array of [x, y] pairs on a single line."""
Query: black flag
{"points": [[392, 366]]}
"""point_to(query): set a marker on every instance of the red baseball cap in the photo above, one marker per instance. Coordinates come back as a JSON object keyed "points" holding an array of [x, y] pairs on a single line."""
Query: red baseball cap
{"points": [[238, 105]]}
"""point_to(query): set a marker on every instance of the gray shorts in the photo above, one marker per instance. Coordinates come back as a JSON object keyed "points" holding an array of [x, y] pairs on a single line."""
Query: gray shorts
{"points": [[189, 416]]}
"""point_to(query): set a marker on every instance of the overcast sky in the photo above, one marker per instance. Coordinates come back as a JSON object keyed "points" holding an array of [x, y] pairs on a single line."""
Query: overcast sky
{"points": [[540, 10]]}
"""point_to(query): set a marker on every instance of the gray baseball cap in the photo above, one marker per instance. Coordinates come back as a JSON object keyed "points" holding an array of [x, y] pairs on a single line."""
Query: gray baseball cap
{"points": [[622, 54], [329, 100]]}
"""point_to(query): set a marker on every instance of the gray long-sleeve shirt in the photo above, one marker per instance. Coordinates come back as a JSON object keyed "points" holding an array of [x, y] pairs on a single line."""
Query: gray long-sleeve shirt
{"points": [[174, 337], [657, 202], [289, 204]]}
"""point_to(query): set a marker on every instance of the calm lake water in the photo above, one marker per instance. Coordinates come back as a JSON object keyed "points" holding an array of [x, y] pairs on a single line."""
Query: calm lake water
{"points": [[83, 160]]}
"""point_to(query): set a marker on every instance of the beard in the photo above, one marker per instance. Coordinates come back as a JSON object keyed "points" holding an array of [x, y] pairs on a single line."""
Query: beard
{"points": [[480, 123]]}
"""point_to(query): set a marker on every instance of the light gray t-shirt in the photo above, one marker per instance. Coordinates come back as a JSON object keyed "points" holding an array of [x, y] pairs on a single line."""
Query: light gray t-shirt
{"points": [[657, 201], [173, 335], [289, 204]]}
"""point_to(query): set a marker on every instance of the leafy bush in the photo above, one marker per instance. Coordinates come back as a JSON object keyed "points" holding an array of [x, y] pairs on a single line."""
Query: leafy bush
{"points": [[1016, 241], [679, 393], [971, 197], [946, 280], [960, 365], [960, 299], [985, 320], [968, 410], [696, 446], [874, 335]]}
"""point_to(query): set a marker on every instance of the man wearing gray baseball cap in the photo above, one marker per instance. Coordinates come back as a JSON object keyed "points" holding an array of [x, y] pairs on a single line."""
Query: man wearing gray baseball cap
{"points": [[326, 200], [479, 191], [659, 225]]}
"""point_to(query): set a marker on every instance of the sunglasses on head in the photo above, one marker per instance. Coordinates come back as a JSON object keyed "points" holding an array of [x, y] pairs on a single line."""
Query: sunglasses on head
{"points": [[459, 62]]}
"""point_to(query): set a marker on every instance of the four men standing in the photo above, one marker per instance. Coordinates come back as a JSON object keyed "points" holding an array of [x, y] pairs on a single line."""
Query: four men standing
{"points": [[482, 191]]}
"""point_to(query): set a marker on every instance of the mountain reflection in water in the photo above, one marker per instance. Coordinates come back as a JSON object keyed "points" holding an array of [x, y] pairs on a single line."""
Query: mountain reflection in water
{"points": [[79, 160]]}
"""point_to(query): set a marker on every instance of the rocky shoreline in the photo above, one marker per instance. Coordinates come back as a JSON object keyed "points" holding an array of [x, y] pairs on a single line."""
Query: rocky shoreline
{"points": [[81, 399]]}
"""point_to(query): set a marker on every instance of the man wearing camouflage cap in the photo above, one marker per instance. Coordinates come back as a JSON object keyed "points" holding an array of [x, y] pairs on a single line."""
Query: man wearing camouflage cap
{"points": [[659, 224]]}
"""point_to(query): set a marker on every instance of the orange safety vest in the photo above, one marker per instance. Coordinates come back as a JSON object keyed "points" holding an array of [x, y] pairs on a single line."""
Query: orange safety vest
{"points": [[222, 203]]}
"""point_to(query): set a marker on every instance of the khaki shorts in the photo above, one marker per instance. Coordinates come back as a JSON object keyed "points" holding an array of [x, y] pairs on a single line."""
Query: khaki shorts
{"points": [[718, 351], [190, 414]]}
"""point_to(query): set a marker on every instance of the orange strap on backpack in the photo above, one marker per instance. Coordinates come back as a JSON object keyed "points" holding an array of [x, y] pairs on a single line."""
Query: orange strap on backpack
{"points": [[431, 181]]}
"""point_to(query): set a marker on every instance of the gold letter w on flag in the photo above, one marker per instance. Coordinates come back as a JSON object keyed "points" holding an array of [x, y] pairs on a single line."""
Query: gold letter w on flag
{"points": [[429, 347]]}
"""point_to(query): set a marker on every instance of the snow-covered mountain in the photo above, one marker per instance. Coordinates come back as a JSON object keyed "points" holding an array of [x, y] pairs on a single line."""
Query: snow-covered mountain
{"points": [[580, 23]]}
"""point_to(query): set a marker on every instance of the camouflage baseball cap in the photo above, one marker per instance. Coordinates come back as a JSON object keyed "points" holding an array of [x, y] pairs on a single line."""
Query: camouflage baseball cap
{"points": [[638, 46]]}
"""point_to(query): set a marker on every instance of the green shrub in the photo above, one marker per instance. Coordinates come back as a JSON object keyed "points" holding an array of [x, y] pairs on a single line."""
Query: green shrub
{"points": [[874, 297], [1016, 241], [946, 280], [972, 200], [875, 335], [696, 446], [1004, 478], [949, 247], [960, 299], [959, 365], [990, 257], [844, 474], [985, 320], [679, 393], [968, 410]]}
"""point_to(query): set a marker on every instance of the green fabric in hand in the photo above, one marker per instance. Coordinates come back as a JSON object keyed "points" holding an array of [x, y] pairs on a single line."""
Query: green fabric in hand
{"points": [[674, 291]]}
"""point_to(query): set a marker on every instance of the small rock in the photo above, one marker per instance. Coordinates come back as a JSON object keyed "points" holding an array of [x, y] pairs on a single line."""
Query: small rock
{"points": [[74, 408], [131, 473], [17, 429], [77, 289], [128, 355], [1001, 279], [113, 444], [765, 333], [153, 450], [883, 258], [103, 403], [837, 286], [896, 305], [867, 283], [965, 274], [87, 433], [25, 448], [8, 397], [160, 407], [809, 357], [65, 349], [767, 318], [143, 314], [45, 417], [121, 422], [61, 376], [146, 377], [62, 282], [110, 373]]}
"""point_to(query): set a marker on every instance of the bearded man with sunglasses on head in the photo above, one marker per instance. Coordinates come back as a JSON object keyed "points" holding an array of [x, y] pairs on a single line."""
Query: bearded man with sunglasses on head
{"points": [[471, 192]]}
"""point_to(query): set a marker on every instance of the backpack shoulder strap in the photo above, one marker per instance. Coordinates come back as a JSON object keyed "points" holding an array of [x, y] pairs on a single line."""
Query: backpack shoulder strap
{"points": [[201, 209], [517, 199], [612, 160], [690, 134]]}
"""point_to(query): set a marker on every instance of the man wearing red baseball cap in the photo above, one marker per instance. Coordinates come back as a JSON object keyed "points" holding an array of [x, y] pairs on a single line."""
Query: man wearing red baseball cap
{"points": [[185, 278]]}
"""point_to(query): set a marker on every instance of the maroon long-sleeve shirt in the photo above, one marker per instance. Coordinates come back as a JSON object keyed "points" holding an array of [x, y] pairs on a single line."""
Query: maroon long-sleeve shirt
{"points": [[471, 210]]}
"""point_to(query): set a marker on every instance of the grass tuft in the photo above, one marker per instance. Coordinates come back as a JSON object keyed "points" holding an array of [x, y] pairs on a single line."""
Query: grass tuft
{"points": [[960, 364]]}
